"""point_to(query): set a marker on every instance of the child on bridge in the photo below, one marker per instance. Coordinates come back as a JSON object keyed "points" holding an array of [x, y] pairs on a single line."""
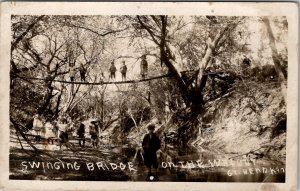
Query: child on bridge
{"points": [[123, 70], [112, 70], [144, 67]]}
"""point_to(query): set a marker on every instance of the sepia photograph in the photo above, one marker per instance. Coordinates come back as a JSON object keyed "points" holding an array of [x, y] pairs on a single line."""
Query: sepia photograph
{"points": [[148, 97]]}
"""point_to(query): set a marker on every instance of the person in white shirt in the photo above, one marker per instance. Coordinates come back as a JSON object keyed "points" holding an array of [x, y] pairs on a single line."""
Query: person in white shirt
{"points": [[63, 132], [38, 127], [50, 131]]}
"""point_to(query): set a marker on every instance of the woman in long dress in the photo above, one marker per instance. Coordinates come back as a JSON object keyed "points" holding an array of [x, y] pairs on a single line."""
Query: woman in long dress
{"points": [[63, 132], [50, 131], [37, 127]]}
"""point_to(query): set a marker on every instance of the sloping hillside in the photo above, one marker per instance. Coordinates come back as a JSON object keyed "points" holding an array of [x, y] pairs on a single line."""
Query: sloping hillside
{"points": [[249, 122]]}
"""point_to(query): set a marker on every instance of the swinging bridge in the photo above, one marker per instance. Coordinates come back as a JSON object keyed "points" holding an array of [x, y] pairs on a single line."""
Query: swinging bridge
{"points": [[108, 82], [101, 82]]}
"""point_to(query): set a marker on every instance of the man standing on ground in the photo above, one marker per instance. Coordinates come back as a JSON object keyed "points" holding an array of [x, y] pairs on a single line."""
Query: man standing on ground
{"points": [[151, 144], [80, 133], [94, 132]]}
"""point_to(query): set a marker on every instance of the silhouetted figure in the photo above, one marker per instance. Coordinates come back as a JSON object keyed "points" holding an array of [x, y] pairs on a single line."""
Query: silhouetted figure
{"points": [[80, 133], [112, 70], [82, 73], [123, 71], [151, 144], [144, 67], [94, 133]]}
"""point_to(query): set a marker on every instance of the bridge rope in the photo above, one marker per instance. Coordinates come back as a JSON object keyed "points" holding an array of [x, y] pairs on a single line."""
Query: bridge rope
{"points": [[107, 82], [98, 83]]}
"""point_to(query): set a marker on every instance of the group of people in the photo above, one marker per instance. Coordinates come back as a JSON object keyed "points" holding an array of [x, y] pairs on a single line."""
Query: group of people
{"points": [[73, 71], [113, 69], [61, 128], [93, 132], [123, 69]]}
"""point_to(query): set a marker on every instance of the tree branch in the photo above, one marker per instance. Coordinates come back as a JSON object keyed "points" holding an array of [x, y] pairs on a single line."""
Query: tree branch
{"points": [[148, 29], [16, 42], [97, 33]]}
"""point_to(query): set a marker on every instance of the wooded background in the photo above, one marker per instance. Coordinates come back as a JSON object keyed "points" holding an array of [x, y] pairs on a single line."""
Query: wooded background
{"points": [[194, 61]]}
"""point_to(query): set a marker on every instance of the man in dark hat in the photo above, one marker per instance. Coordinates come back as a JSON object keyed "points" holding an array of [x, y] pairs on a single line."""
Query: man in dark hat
{"points": [[112, 70], [94, 132], [123, 70], [81, 134], [151, 144]]}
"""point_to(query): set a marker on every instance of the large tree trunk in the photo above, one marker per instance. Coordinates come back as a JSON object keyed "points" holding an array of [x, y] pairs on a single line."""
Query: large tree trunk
{"points": [[275, 56], [197, 99], [57, 105]]}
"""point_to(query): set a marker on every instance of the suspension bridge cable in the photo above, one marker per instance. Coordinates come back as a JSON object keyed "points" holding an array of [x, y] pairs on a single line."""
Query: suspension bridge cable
{"points": [[98, 83]]}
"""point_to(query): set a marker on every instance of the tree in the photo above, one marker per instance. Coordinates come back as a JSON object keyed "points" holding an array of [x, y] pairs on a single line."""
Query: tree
{"points": [[158, 28], [276, 58]]}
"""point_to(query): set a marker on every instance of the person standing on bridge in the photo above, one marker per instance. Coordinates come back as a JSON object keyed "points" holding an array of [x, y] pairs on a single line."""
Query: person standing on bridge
{"points": [[112, 70], [123, 70], [144, 67], [82, 71], [151, 144]]}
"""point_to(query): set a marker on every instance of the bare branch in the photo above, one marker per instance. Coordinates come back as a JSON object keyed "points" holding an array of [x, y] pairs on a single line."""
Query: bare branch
{"points": [[97, 33], [148, 29]]}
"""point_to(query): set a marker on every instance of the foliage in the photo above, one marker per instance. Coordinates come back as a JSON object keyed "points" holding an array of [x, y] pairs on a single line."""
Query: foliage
{"points": [[205, 57]]}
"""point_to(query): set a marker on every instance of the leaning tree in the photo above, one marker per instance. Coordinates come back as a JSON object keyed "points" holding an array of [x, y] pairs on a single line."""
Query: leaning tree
{"points": [[164, 31]]}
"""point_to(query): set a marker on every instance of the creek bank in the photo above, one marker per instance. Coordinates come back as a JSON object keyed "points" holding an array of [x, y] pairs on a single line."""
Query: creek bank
{"points": [[253, 126]]}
